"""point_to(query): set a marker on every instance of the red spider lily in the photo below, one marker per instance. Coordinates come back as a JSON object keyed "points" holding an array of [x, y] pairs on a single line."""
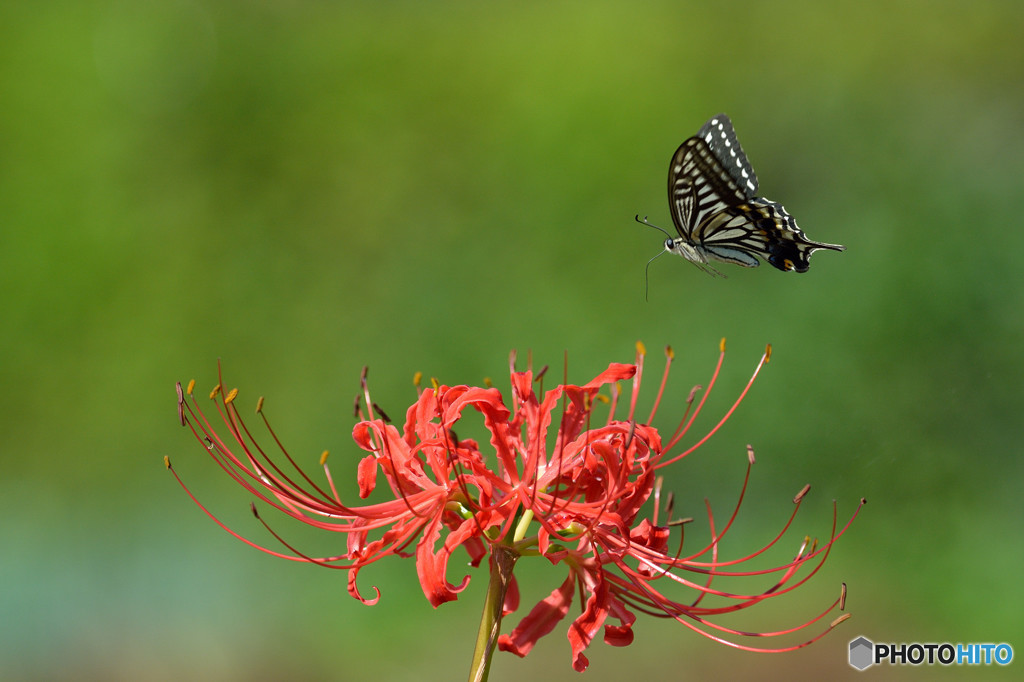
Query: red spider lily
{"points": [[570, 493]]}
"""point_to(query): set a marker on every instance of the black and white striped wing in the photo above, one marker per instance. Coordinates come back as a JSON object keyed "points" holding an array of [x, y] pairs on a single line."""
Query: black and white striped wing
{"points": [[704, 199], [712, 197]]}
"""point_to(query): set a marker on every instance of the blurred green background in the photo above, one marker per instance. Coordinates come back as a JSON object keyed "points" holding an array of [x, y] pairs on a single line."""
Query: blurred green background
{"points": [[304, 188]]}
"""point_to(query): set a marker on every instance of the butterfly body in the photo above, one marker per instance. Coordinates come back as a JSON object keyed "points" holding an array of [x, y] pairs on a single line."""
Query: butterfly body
{"points": [[712, 191]]}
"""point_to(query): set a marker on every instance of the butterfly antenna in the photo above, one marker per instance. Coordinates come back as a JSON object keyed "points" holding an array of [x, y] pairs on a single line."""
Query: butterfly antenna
{"points": [[646, 269], [644, 222]]}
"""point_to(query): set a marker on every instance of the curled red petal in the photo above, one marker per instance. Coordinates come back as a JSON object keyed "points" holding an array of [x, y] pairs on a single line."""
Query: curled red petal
{"points": [[431, 567], [486, 400], [616, 372], [618, 635], [419, 424], [541, 620], [522, 385], [511, 598], [354, 590], [366, 475], [622, 634], [361, 435], [582, 631]]}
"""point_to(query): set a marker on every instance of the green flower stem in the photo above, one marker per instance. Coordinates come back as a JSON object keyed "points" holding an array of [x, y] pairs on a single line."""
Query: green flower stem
{"points": [[502, 561]]}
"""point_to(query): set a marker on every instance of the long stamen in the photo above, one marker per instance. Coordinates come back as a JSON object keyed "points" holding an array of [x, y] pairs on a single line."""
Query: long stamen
{"points": [[641, 353], [725, 418], [669, 357]]}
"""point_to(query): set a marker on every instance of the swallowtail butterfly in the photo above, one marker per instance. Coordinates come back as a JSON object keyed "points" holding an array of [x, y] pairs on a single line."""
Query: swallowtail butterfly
{"points": [[712, 195]]}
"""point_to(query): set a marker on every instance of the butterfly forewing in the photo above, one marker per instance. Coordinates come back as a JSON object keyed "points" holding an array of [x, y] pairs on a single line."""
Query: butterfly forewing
{"points": [[698, 188], [720, 136]]}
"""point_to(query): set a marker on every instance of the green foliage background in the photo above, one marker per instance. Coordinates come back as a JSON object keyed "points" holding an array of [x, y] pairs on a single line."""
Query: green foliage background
{"points": [[304, 188]]}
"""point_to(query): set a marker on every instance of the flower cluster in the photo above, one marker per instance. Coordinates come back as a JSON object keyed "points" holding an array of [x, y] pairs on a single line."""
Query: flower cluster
{"points": [[554, 481]]}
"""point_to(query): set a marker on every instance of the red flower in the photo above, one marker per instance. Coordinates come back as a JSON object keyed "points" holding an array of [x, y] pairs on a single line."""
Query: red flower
{"points": [[570, 492]]}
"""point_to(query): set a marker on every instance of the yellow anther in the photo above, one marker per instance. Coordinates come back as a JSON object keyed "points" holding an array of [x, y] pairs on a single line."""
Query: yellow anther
{"points": [[641, 348], [232, 394], [433, 382], [768, 352], [721, 345], [416, 378], [259, 405], [323, 457], [215, 391], [191, 385], [669, 353], [167, 461], [488, 383], [840, 619]]}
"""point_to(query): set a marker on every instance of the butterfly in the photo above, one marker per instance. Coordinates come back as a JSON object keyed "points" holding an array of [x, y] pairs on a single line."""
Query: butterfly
{"points": [[712, 196]]}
